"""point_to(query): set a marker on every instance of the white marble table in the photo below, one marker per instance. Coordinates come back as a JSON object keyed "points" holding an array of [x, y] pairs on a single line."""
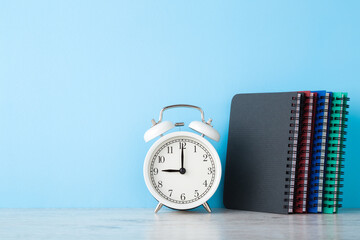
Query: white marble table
{"points": [[168, 224]]}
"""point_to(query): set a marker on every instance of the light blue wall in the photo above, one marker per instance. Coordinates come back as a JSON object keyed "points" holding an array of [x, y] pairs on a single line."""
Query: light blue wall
{"points": [[81, 80]]}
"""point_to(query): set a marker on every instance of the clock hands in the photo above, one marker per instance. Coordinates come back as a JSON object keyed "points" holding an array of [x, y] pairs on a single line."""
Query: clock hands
{"points": [[171, 170], [182, 170]]}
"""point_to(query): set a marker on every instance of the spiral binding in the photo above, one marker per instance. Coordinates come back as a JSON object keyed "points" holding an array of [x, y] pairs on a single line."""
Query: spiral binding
{"points": [[334, 166], [303, 165], [292, 152], [316, 184]]}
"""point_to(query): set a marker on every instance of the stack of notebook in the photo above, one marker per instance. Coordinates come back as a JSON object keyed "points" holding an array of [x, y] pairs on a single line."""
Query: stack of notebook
{"points": [[286, 152]]}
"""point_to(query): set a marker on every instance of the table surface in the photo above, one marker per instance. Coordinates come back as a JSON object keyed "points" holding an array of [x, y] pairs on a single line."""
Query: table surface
{"points": [[169, 224]]}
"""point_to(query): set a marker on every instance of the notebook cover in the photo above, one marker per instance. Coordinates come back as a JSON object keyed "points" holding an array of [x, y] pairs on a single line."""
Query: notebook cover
{"points": [[305, 151], [262, 152], [335, 157], [319, 152]]}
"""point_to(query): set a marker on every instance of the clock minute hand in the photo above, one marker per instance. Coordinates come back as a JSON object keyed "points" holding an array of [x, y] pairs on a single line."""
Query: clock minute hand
{"points": [[182, 157], [182, 169]]}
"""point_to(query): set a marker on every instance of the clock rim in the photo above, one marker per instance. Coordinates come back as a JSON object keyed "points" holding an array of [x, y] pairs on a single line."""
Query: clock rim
{"points": [[208, 195]]}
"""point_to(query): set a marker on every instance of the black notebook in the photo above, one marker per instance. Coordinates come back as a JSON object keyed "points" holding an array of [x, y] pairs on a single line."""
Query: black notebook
{"points": [[262, 152]]}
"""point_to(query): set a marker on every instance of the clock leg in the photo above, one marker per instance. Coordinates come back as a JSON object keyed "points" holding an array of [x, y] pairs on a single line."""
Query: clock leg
{"points": [[207, 207], [158, 207]]}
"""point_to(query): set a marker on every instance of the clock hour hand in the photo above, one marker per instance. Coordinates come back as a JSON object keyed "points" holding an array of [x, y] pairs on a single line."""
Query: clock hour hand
{"points": [[170, 170]]}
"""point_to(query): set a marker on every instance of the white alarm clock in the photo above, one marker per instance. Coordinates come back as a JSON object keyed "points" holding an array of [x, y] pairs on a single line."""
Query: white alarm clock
{"points": [[182, 170]]}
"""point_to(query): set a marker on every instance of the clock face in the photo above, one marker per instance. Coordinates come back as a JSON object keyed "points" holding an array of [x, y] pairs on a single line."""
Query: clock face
{"points": [[182, 170]]}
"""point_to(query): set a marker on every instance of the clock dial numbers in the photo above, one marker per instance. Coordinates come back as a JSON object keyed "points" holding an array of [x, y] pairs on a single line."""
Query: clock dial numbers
{"points": [[170, 192], [170, 182], [205, 183], [161, 159], [170, 149], [182, 145], [182, 197], [196, 194]]}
